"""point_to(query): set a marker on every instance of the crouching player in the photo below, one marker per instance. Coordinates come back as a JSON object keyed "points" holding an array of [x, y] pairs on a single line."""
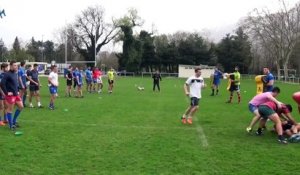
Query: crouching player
{"points": [[270, 110], [53, 84], [258, 100]]}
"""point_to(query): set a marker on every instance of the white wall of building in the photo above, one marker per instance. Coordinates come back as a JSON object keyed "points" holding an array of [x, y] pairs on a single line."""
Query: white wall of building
{"points": [[185, 71]]}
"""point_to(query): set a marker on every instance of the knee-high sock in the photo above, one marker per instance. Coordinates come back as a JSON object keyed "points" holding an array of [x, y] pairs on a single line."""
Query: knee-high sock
{"points": [[17, 113]]}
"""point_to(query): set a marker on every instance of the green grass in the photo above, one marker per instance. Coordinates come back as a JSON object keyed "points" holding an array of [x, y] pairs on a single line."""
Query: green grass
{"points": [[134, 132]]}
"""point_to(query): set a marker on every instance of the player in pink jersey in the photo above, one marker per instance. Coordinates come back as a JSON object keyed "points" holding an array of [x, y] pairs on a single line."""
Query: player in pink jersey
{"points": [[258, 100]]}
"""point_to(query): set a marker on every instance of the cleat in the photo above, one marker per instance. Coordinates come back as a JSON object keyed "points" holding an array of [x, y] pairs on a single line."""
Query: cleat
{"points": [[258, 133], [31, 106], [183, 120], [248, 129], [17, 125], [283, 141], [13, 128], [2, 123], [40, 106], [190, 121]]}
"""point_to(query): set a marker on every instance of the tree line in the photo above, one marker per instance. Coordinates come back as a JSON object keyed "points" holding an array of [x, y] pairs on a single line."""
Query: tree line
{"points": [[262, 39]]}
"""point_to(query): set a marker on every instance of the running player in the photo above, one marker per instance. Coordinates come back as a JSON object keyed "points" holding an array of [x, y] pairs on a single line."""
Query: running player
{"points": [[53, 85], [260, 99], [111, 77], [9, 85], [192, 88], [216, 81], [4, 69], [34, 86], [235, 85], [22, 77]]}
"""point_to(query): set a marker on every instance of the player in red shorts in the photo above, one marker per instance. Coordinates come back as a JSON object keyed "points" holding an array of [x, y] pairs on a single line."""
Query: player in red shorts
{"points": [[9, 85]]}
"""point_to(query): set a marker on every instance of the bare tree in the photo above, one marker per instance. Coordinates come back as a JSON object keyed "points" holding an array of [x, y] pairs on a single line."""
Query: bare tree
{"points": [[277, 32], [90, 32]]}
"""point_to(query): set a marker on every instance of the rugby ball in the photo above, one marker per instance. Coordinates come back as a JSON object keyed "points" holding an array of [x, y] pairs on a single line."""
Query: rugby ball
{"points": [[296, 97]]}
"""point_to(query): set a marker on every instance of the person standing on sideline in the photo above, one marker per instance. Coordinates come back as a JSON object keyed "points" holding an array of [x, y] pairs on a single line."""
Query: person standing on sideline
{"points": [[269, 80], [53, 85], [4, 69], [192, 88], [88, 79], [22, 77], [34, 86], [111, 77], [235, 85], [216, 81], [69, 77], [156, 78], [9, 85]]}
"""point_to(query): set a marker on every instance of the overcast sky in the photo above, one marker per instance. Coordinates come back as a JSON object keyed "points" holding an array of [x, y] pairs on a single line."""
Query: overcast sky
{"points": [[42, 18]]}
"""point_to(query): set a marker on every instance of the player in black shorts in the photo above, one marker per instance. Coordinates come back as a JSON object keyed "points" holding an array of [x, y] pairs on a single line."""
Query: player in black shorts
{"points": [[34, 86], [69, 77]]}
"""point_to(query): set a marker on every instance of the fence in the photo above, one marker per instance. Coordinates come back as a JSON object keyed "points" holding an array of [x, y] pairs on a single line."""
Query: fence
{"points": [[168, 75]]}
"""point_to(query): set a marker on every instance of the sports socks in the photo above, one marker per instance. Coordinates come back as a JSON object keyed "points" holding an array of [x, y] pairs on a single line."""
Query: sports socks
{"points": [[17, 113]]}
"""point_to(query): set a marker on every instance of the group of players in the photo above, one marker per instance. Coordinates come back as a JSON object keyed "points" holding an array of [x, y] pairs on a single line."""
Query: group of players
{"points": [[14, 80], [93, 79], [264, 106]]}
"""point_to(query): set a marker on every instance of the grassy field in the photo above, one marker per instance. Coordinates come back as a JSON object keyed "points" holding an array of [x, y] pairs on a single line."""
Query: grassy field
{"points": [[135, 132]]}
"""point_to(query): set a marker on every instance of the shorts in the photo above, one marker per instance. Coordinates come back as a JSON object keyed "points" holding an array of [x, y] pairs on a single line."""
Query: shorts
{"points": [[79, 85], [69, 83], [252, 107], [194, 101], [12, 99], [216, 83], [88, 81], [265, 111], [34, 88], [95, 80], [110, 81], [53, 90], [234, 88]]}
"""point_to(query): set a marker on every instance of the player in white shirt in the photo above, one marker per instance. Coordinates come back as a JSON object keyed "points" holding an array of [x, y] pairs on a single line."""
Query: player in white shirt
{"points": [[53, 84], [192, 88]]}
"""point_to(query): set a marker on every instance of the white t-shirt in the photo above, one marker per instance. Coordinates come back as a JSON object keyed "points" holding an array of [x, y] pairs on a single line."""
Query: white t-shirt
{"points": [[54, 78], [195, 84]]}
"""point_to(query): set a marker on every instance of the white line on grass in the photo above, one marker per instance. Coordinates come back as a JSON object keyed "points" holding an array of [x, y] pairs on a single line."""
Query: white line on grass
{"points": [[107, 125], [201, 134]]}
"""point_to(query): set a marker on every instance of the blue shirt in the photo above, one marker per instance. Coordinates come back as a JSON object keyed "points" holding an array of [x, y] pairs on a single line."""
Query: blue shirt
{"points": [[269, 77], [34, 74], [88, 74], [78, 75], [217, 76], [22, 74], [9, 83]]}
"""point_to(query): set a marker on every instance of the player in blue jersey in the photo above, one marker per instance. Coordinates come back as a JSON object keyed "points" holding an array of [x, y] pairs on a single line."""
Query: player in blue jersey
{"points": [[216, 81], [22, 77], [88, 79], [269, 80], [4, 68], [9, 85], [78, 77]]}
